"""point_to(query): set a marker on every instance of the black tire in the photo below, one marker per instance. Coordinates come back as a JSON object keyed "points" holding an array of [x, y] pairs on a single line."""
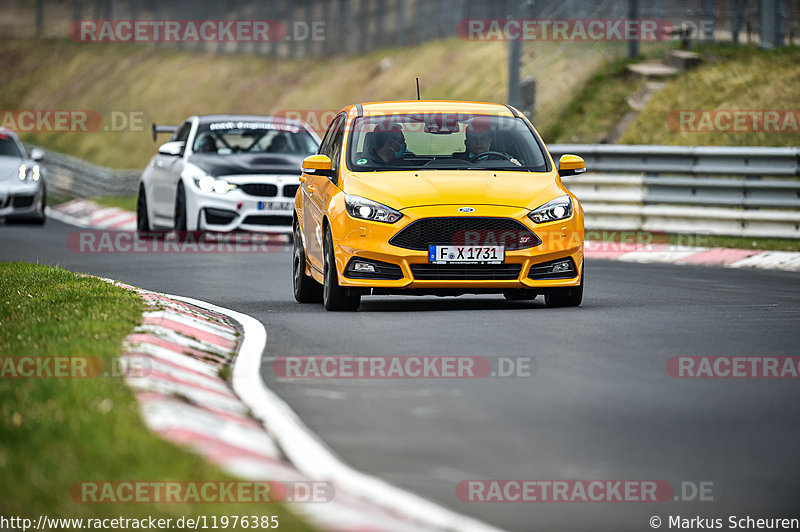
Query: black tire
{"points": [[142, 221], [334, 296], [40, 219], [572, 297], [179, 217], [519, 295], [306, 289]]}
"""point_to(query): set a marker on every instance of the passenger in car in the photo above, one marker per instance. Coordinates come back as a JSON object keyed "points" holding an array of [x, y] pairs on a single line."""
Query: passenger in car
{"points": [[387, 146], [477, 140]]}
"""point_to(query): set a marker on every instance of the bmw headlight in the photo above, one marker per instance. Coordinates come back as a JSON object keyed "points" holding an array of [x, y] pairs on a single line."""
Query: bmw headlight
{"points": [[557, 209], [359, 207], [27, 171], [211, 184]]}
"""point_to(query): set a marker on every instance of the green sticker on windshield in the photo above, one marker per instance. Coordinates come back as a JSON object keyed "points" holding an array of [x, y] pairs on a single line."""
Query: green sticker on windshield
{"points": [[361, 161]]}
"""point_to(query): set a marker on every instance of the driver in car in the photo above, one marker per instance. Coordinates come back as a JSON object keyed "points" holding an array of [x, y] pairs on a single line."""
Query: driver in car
{"points": [[478, 140]]}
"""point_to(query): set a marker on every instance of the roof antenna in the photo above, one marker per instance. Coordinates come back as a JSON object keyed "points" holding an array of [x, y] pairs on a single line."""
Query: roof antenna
{"points": [[418, 98]]}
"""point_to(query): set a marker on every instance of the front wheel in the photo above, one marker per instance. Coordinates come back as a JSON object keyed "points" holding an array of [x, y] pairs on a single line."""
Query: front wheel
{"points": [[180, 209], [306, 289], [573, 297], [142, 221], [334, 296]]}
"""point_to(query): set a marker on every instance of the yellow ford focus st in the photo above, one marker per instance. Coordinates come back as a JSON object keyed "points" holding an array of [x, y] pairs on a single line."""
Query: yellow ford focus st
{"points": [[436, 198]]}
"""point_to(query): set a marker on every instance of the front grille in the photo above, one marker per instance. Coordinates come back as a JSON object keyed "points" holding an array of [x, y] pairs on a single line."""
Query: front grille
{"points": [[260, 189], [290, 191], [20, 202], [268, 219], [465, 272], [465, 230]]}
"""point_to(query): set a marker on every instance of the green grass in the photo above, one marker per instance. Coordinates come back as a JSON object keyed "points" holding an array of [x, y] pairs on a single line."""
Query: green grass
{"points": [[730, 78], [55, 432], [592, 114], [127, 203]]}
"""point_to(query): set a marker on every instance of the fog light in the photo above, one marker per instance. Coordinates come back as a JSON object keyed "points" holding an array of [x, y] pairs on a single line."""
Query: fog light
{"points": [[561, 267], [364, 267]]}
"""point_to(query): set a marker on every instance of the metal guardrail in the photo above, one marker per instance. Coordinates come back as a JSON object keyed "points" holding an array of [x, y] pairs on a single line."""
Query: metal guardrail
{"points": [[70, 177], [693, 160], [760, 199], [682, 189]]}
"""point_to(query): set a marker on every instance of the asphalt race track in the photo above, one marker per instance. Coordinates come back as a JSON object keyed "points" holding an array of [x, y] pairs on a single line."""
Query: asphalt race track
{"points": [[600, 405]]}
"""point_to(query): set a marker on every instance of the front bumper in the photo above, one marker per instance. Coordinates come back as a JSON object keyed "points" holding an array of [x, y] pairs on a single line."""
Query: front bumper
{"points": [[522, 269], [237, 211], [21, 199]]}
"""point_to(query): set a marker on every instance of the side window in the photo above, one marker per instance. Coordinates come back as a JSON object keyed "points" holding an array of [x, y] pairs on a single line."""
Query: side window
{"points": [[183, 134], [324, 146], [336, 145]]}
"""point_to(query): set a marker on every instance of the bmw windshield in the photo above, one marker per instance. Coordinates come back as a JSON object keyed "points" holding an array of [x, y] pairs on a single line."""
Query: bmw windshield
{"points": [[442, 142], [227, 138]]}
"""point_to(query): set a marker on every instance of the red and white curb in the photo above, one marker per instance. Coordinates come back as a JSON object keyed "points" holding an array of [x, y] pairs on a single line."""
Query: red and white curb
{"points": [[672, 254], [244, 427], [86, 213]]}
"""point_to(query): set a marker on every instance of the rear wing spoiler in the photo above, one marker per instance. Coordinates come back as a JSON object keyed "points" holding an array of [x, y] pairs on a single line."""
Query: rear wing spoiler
{"points": [[156, 129]]}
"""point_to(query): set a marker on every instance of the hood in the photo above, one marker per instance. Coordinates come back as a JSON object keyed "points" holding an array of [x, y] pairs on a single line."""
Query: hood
{"points": [[248, 163], [403, 190], [9, 167]]}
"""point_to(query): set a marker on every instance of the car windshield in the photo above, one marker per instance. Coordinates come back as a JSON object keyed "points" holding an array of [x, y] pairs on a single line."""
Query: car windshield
{"points": [[227, 138], [444, 141], [8, 147]]}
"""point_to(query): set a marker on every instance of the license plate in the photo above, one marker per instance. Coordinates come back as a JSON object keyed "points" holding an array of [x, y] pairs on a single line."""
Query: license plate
{"points": [[275, 205], [450, 254]]}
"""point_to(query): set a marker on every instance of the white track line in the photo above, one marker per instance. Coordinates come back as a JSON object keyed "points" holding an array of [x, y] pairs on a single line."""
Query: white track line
{"points": [[304, 448]]}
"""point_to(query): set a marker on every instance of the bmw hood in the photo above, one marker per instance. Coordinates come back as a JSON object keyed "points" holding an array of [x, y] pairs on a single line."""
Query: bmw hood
{"points": [[406, 189], [248, 163]]}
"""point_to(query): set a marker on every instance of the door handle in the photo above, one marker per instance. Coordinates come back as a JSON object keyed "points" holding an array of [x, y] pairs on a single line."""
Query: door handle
{"points": [[311, 189]]}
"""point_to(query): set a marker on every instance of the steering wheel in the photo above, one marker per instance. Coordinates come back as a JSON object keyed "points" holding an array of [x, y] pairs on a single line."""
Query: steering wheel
{"points": [[497, 154]]}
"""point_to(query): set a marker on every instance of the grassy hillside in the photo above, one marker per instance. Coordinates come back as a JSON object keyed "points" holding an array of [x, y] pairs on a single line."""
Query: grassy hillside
{"points": [[741, 78], [731, 78], [167, 85]]}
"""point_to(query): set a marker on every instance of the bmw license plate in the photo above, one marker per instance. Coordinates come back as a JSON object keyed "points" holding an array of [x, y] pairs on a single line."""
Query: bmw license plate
{"points": [[450, 254], [275, 205]]}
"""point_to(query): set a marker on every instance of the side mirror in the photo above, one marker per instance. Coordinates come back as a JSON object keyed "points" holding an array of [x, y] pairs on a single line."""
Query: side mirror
{"points": [[173, 148], [318, 164], [37, 154], [571, 165]]}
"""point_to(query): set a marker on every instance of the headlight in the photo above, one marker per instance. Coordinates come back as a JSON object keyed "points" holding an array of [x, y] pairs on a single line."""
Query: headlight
{"points": [[359, 207], [26, 171], [210, 184], [553, 210]]}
